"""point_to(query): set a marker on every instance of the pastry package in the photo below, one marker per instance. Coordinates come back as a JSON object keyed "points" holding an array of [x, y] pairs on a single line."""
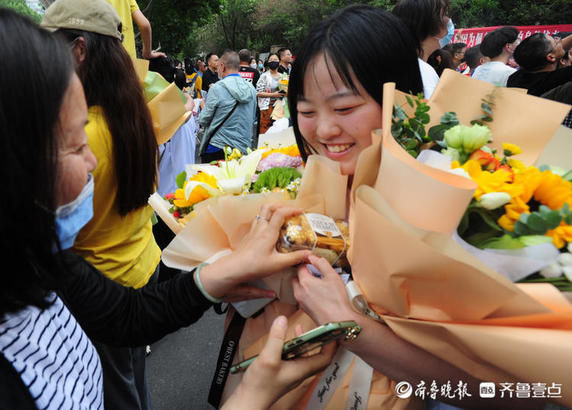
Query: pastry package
{"points": [[321, 234]]}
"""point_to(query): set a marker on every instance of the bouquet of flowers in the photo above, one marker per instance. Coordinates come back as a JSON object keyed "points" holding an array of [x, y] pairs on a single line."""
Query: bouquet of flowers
{"points": [[517, 210], [262, 170]]}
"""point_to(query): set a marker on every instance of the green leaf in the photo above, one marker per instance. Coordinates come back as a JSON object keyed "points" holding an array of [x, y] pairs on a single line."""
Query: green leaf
{"points": [[552, 219], [503, 242], [464, 224], [413, 153], [524, 218], [180, 180], [409, 100], [543, 168], [487, 218], [450, 118], [531, 240], [437, 132], [536, 224], [411, 144], [521, 229], [480, 238], [544, 210]]}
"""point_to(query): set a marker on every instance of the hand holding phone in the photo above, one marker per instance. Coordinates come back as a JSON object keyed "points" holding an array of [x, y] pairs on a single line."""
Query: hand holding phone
{"points": [[309, 341]]}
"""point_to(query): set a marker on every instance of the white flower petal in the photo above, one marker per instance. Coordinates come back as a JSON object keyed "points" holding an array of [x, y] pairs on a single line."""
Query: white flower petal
{"points": [[494, 200], [191, 185], [565, 259], [551, 271]]}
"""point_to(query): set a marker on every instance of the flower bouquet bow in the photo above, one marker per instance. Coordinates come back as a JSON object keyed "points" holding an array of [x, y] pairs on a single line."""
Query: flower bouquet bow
{"points": [[427, 287]]}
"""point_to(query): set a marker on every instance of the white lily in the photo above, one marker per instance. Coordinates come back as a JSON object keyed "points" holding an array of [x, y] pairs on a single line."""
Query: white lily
{"points": [[494, 200], [234, 174], [551, 271]]}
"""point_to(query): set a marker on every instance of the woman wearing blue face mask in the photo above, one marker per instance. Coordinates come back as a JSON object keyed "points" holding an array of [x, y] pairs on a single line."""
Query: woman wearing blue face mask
{"points": [[55, 303]]}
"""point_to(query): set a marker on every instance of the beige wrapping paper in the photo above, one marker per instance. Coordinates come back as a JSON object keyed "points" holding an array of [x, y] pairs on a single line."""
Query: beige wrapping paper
{"points": [[414, 270]]}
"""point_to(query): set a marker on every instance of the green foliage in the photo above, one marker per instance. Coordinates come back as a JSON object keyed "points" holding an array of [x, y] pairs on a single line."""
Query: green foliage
{"points": [[22, 8], [180, 180], [275, 178], [543, 220]]}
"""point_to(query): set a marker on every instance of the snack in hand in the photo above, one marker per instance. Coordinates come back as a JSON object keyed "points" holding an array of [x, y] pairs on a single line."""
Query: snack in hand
{"points": [[319, 233]]}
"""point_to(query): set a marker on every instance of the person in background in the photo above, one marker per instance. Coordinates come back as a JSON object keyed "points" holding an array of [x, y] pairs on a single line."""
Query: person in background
{"points": [[229, 113], [499, 46], [129, 12], [538, 57], [260, 66], [566, 59], [267, 92], [56, 302], [193, 78], [441, 59], [247, 72], [285, 57], [427, 20], [210, 76], [474, 58], [253, 63], [457, 51]]}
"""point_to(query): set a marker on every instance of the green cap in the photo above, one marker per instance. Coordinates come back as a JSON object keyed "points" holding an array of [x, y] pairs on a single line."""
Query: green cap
{"points": [[96, 16]]}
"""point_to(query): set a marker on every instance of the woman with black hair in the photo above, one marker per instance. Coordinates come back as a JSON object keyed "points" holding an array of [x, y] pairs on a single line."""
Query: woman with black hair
{"points": [[335, 96], [427, 20], [46, 358]]}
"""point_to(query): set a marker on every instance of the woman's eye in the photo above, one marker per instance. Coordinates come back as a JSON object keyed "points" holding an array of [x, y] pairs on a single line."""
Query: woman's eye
{"points": [[344, 109], [305, 113]]}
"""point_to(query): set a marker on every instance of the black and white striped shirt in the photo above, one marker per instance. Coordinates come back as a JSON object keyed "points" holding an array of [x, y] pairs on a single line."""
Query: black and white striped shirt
{"points": [[53, 356]]}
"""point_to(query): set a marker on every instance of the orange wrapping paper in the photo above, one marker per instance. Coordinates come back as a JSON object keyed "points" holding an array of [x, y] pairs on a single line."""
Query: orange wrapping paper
{"points": [[450, 304]]}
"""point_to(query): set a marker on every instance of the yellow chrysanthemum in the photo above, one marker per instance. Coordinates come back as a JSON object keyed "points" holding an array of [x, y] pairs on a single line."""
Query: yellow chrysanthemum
{"points": [[561, 235], [511, 149], [291, 150], [553, 191], [199, 193], [512, 213], [498, 181]]}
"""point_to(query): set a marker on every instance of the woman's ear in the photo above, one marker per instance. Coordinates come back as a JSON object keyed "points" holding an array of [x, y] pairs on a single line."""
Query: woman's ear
{"points": [[79, 50]]}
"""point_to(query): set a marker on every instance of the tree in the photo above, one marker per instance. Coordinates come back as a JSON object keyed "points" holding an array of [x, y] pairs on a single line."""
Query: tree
{"points": [[21, 7]]}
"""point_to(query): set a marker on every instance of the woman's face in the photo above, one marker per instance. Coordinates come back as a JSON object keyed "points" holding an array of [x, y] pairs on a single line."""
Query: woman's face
{"points": [[334, 119], [75, 159]]}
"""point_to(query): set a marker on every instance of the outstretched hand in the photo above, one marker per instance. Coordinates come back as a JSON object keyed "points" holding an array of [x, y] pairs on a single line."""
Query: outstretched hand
{"points": [[324, 299], [270, 377], [256, 255]]}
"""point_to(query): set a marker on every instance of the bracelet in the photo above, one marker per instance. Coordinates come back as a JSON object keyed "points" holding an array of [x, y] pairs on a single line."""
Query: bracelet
{"points": [[197, 278]]}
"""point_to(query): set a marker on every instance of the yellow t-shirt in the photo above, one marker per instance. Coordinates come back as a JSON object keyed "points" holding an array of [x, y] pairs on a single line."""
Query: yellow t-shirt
{"points": [[122, 248], [125, 9], [197, 85]]}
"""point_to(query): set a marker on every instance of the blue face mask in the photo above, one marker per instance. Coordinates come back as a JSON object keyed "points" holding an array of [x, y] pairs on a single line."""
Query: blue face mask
{"points": [[449, 36], [260, 66], [72, 217]]}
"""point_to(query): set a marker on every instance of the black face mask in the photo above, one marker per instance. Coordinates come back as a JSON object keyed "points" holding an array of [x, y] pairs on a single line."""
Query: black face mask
{"points": [[273, 65]]}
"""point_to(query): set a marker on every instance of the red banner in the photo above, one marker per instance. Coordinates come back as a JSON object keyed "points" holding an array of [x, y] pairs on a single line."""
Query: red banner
{"points": [[474, 36]]}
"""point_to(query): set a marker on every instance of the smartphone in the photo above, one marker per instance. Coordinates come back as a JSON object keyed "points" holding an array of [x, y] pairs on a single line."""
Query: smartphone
{"points": [[308, 341]]}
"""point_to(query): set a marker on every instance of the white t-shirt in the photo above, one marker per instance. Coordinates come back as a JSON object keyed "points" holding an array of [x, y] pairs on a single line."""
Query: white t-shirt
{"points": [[494, 72], [429, 77]]}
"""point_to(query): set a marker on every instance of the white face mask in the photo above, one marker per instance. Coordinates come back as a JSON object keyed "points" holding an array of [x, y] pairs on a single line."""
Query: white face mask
{"points": [[253, 65]]}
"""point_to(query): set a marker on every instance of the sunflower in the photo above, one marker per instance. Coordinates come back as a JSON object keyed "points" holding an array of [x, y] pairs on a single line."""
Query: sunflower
{"points": [[199, 193], [553, 191], [497, 181], [561, 235], [291, 150]]}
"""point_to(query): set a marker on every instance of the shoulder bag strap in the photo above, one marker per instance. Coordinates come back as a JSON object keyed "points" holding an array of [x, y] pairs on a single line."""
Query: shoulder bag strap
{"points": [[207, 142]]}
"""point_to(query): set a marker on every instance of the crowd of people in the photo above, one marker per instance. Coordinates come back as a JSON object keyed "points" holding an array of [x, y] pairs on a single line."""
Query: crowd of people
{"points": [[83, 158]]}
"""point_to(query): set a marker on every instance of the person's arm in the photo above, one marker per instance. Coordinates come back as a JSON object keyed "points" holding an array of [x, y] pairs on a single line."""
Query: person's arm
{"points": [[120, 316], [326, 300], [270, 377], [146, 36]]}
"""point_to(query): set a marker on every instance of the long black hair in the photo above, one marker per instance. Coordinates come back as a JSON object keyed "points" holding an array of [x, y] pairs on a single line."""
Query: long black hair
{"points": [[34, 77], [110, 81], [423, 17], [361, 42]]}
